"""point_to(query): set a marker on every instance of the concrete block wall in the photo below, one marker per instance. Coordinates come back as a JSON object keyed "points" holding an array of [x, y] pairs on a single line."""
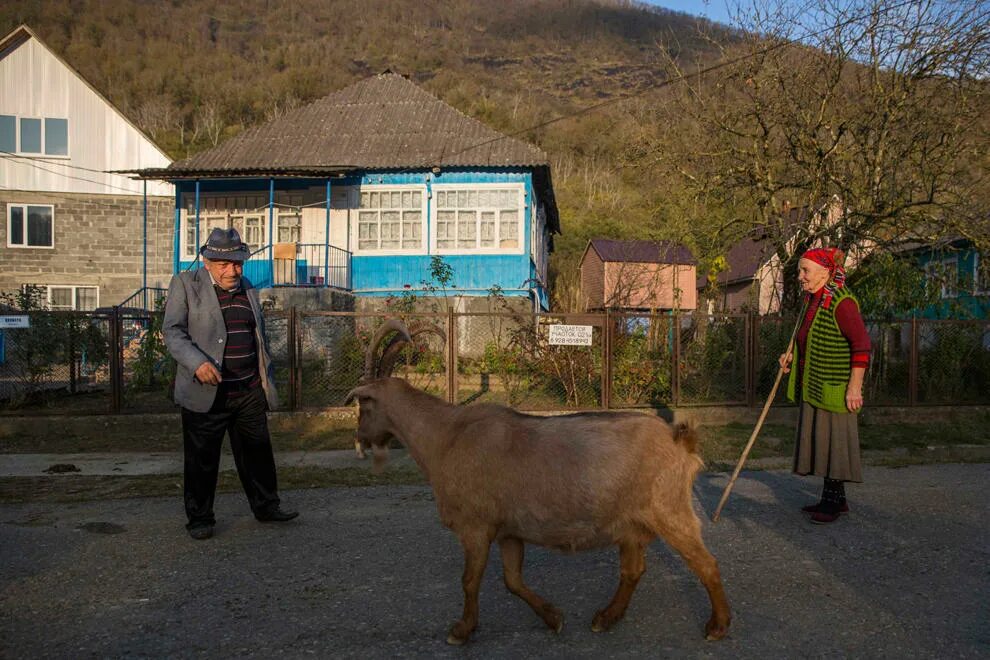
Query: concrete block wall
{"points": [[98, 242]]}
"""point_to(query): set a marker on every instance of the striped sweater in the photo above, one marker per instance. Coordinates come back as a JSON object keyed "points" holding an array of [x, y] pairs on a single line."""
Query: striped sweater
{"points": [[240, 355], [831, 341]]}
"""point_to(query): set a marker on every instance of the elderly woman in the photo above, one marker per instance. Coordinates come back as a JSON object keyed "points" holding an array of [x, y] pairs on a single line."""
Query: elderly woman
{"points": [[833, 351]]}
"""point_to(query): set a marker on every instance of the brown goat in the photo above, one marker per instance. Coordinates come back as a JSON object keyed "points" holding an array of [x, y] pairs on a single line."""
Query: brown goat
{"points": [[573, 482]]}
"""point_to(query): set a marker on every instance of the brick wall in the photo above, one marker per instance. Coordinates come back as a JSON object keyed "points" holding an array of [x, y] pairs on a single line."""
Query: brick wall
{"points": [[98, 242]]}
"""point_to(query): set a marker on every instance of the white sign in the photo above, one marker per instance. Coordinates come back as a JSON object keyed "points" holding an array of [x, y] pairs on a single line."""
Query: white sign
{"points": [[570, 335], [15, 322]]}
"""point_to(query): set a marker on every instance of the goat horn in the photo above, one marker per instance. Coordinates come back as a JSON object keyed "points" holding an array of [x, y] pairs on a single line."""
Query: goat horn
{"points": [[391, 353], [389, 326]]}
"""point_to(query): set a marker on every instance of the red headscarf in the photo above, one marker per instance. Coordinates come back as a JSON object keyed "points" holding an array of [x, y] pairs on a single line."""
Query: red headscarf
{"points": [[832, 259]]}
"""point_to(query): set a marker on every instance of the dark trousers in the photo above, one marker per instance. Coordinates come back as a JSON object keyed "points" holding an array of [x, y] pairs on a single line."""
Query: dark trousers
{"points": [[243, 418]]}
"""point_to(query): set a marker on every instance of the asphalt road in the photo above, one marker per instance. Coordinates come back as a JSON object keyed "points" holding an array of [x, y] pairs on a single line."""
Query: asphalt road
{"points": [[370, 573]]}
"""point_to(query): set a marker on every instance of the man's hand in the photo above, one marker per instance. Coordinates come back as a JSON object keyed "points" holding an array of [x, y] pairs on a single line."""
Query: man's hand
{"points": [[207, 374], [785, 361]]}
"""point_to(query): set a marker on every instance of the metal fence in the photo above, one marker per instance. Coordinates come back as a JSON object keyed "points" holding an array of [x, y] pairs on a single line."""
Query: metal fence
{"points": [[77, 363]]}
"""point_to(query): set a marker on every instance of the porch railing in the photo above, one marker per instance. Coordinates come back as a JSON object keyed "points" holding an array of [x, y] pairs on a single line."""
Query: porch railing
{"points": [[145, 298], [300, 264]]}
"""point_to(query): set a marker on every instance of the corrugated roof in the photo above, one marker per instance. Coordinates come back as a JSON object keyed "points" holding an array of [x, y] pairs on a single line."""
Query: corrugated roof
{"points": [[658, 252], [382, 122]]}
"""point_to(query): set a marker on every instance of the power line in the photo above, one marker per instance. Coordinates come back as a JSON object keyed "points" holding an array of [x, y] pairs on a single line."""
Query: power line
{"points": [[23, 161], [53, 161], [684, 77]]}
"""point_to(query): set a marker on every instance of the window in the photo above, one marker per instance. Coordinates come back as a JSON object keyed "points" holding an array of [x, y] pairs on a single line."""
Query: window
{"points": [[981, 276], [288, 225], [207, 222], [8, 134], [30, 225], [30, 136], [68, 297], [34, 136], [390, 219], [944, 273], [56, 137], [479, 218], [254, 229]]}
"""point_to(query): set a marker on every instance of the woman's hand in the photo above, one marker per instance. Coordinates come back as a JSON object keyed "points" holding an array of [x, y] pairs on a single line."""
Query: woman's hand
{"points": [[854, 390], [854, 397], [784, 361]]}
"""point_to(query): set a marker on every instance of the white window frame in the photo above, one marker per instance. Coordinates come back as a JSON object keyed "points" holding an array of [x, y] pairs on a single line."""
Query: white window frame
{"points": [[188, 249], [18, 142], [977, 291], [288, 219], [521, 215], [75, 294], [355, 205], [938, 270], [25, 246]]}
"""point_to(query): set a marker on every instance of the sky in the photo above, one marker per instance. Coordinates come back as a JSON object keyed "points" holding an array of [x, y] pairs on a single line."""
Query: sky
{"points": [[715, 10]]}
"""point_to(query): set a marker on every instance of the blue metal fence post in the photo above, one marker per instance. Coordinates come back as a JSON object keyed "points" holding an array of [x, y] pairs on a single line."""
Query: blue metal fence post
{"points": [[177, 239], [196, 258], [271, 227], [326, 242], [144, 238]]}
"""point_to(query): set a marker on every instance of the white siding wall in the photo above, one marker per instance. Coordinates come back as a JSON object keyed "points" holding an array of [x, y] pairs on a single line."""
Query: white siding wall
{"points": [[36, 83]]}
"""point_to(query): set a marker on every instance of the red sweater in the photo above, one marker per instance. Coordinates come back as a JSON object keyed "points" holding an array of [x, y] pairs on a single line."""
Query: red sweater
{"points": [[850, 325]]}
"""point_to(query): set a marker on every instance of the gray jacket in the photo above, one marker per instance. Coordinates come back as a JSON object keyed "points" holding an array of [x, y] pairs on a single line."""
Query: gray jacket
{"points": [[195, 333]]}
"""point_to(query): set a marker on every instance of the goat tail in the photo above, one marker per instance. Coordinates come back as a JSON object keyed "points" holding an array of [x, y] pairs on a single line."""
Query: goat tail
{"points": [[686, 435]]}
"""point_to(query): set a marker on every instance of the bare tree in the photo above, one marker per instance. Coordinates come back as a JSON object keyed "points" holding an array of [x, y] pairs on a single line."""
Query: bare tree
{"points": [[881, 105], [209, 120]]}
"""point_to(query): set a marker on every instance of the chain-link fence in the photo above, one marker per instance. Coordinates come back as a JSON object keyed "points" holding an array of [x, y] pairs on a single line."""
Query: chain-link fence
{"points": [[76, 362], [510, 358], [57, 360]]}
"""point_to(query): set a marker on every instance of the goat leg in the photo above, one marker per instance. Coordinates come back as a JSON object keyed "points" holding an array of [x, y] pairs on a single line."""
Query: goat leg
{"points": [[632, 565], [476, 548], [686, 540], [513, 551]]}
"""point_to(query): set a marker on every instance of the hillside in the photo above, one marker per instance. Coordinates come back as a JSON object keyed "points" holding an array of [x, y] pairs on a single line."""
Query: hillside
{"points": [[704, 163], [193, 73]]}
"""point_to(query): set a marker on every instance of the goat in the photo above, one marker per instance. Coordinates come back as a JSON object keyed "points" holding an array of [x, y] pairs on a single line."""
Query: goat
{"points": [[573, 482]]}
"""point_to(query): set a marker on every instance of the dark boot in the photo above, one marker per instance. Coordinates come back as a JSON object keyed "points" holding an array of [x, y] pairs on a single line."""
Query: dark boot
{"points": [[833, 500]]}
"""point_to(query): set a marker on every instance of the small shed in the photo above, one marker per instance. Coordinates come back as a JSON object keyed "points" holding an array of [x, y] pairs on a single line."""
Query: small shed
{"points": [[637, 275]]}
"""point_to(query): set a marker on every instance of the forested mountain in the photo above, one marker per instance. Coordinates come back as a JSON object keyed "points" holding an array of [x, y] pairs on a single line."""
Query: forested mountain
{"points": [[195, 72], [686, 161]]}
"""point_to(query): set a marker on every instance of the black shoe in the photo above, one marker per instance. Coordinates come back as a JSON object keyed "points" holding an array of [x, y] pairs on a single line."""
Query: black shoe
{"points": [[275, 515], [201, 532]]}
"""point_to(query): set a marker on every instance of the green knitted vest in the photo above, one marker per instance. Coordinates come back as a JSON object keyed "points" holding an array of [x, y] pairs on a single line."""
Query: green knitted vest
{"points": [[826, 366]]}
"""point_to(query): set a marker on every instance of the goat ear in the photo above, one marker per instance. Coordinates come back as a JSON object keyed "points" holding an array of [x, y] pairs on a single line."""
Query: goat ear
{"points": [[361, 391]]}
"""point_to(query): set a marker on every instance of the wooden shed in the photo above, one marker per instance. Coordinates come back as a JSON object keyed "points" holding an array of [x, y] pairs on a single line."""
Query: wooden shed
{"points": [[637, 276]]}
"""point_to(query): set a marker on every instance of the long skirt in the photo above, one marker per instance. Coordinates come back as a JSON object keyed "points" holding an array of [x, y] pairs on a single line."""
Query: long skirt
{"points": [[827, 444]]}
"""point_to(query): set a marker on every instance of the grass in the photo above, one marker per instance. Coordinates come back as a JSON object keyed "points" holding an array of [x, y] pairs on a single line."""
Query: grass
{"points": [[725, 443], [72, 488]]}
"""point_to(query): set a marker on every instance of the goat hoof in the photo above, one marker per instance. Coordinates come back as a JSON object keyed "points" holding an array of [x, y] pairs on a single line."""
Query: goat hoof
{"points": [[553, 617], [715, 630], [601, 622], [458, 634]]}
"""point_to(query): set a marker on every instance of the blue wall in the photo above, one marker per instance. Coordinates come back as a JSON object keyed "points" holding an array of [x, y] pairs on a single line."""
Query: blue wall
{"points": [[474, 274], [966, 303]]}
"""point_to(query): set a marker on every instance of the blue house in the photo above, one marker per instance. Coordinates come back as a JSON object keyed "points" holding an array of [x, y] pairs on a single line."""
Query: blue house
{"points": [[358, 190], [954, 270]]}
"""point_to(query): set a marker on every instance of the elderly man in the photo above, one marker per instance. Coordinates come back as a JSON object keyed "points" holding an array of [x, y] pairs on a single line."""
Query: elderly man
{"points": [[214, 329]]}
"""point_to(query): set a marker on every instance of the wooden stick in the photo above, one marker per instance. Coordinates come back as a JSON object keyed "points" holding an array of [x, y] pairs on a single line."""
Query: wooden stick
{"points": [[759, 422]]}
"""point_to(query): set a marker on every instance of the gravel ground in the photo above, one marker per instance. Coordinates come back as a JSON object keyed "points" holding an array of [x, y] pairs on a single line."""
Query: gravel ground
{"points": [[370, 573]]}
